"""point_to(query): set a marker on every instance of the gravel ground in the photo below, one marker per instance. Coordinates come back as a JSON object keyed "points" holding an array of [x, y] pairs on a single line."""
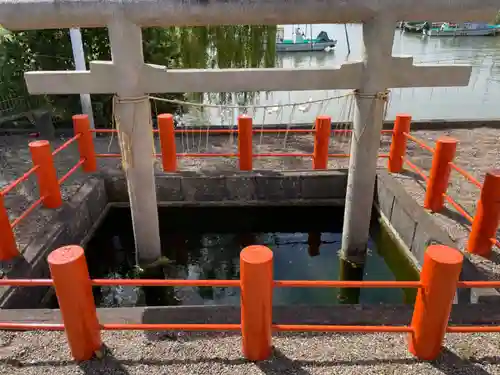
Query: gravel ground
{"points": [[131, 353]]}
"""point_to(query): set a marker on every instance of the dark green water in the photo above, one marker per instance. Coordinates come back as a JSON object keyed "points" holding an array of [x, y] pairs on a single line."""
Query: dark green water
{"points": [[204, 243]]}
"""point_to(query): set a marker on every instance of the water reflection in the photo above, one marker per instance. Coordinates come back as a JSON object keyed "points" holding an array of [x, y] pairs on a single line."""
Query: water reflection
{"points": [[477, 100], [304, 244], [297, 256]]}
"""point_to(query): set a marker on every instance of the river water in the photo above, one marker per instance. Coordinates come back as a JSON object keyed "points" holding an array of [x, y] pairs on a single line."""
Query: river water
{"points": [[476, 101]]}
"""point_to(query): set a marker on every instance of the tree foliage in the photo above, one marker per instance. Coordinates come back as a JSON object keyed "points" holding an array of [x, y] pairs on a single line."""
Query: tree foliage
{"points": [[193, 47]]}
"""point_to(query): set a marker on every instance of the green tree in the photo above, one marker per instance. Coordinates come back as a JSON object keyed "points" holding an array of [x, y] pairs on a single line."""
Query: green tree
{"points": [[193, 47]]}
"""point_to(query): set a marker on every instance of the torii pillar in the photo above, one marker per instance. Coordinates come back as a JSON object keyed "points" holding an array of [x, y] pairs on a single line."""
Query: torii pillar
{"points": [[123, 77], [380, 71]]}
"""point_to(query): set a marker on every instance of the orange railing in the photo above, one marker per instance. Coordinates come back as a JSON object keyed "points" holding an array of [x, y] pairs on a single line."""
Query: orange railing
{"points": [[322, 132], [485, 221], [73, 286], [436, 288], [49, 187]]}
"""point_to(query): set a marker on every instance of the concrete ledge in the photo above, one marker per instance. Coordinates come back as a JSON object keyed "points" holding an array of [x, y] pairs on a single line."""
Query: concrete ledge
{"points": [[244, 187], [417, 230], [73, 221], [467, 314]]}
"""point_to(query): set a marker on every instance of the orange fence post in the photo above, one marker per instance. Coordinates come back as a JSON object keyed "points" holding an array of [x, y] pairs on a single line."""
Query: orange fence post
{"points": [[8, 246], [321, 142], [439, 277], [81, 125], [256, 276], [70, 274], [46, 172], [167, 142], [485, 224], [440, 173], [398, 143], [245, 142]]}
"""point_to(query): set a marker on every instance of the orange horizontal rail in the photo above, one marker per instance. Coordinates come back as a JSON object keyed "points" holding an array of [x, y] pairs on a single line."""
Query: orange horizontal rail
{"points": [[170, 282], [26, 282], [472, 329], [26, 212], [236, 283], [235, 155], [459, 208], [65, 144], [71, 171], [345, 284], [232, 131], [466, 174], [171, 327], [419, 142], [237, 327], [339, 328], [16, 182], [417, 170], [31, 326]]}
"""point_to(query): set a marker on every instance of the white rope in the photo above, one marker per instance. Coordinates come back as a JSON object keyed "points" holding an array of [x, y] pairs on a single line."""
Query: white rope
{"points": [[262, 128], [289, 125], [192, 104]]}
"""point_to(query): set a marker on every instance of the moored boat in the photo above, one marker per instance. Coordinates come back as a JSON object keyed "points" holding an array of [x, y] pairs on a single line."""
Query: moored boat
{"points": [[417, 26], [464, 29], [299, 42]]}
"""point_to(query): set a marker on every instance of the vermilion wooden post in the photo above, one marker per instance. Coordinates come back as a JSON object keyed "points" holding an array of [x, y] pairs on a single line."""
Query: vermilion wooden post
{"points": [[46, 172], [81, 125], [256, 275], [440, 173], [485, 224], [8, 246], [321, 142], [69, 272], [245, 142], [398, 143], [167, 142], [439, 277]]}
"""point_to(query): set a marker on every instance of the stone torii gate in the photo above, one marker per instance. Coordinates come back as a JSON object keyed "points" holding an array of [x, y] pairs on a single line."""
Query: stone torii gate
{"points": [[130, 78]]}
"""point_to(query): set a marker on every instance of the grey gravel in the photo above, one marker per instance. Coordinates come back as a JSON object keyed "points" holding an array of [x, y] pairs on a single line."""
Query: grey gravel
{"points": [[131, 353]]}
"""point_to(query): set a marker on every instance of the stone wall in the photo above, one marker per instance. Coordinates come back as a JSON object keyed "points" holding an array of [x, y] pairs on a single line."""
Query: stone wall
{"points": [[74, 220], [288, 188], [417, 230]]}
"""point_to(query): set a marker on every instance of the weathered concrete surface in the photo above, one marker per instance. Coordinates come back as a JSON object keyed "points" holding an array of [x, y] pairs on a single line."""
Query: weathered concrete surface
{"points": [[239, 187], [70, 13], [417, 230], [68, 226]]}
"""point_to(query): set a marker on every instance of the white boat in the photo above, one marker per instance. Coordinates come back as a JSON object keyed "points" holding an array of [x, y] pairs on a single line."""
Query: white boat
{"points": [[464, 29], [299, 42]]}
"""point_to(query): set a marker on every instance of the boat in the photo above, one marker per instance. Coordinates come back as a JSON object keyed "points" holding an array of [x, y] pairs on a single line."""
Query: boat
{"points": [[464, 29], [416, 26], [299, 42]]}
